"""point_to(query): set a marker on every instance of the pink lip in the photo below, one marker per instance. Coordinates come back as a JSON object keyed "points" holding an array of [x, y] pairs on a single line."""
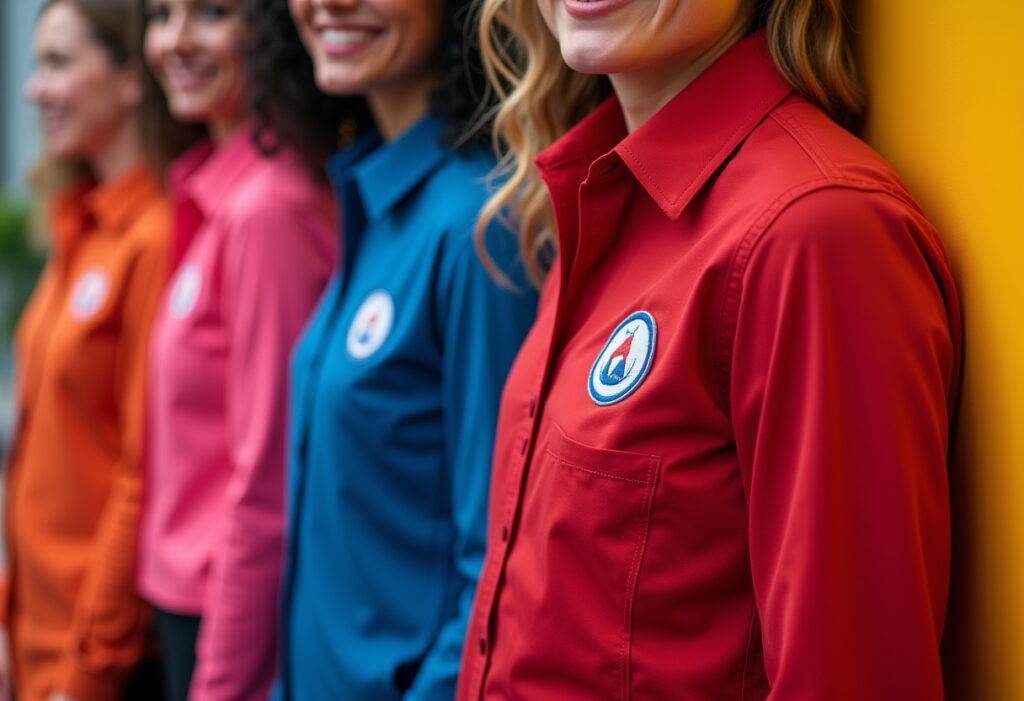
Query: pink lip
{"points": [[590, 9]]}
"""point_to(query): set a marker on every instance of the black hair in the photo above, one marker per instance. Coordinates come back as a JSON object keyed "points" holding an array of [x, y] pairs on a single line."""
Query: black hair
{"points": [[290, 110]]}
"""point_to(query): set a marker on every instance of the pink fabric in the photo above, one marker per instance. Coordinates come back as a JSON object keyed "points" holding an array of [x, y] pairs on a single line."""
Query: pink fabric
{"points": [[255, 243]]}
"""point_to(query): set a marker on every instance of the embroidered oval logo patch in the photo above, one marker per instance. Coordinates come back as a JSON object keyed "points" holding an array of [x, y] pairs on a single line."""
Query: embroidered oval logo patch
{"points": [[371, 326], [90, 293], [624, 361], [185, 295]]}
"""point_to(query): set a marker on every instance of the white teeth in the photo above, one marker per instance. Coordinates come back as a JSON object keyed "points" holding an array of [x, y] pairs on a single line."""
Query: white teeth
{"points": [[344, 36]]}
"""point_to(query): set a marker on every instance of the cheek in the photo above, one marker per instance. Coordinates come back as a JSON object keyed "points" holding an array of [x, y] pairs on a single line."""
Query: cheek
{"points": [[300, 12], [152, 50]]}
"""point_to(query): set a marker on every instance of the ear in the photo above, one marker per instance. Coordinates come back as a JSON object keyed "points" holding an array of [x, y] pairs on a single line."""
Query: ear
{"points": [[131, 86]]}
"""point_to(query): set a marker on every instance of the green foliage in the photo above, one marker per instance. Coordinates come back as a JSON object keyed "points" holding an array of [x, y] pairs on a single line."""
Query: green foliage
{"points": [[20, 263]]}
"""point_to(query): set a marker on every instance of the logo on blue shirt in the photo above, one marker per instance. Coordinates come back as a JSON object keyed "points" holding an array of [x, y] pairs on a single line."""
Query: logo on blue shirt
{"points": [[624, 361], [371, 325]]}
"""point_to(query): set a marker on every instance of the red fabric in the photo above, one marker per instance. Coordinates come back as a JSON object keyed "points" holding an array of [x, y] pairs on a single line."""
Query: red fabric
{"points": [[766, 514]]}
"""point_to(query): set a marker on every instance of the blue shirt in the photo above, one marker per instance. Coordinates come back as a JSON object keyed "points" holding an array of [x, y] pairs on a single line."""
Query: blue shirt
{"points": [[396, 385]]}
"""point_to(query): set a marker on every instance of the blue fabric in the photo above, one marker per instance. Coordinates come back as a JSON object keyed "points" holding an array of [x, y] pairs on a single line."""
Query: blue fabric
{"points": [[390, 453]]}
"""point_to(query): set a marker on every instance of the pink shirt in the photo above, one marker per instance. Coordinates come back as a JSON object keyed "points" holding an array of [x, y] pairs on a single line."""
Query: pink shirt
{"points": [[254, 245]]}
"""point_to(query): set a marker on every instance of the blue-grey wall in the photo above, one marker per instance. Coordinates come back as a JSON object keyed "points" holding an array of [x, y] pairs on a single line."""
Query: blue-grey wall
{"points": [[19, 139]]}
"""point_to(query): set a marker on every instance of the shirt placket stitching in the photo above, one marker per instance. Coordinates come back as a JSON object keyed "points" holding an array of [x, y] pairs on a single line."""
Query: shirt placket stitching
{"points": [[517, 485]]}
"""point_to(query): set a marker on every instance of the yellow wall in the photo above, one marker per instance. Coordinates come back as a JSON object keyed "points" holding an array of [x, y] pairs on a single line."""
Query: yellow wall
{"points": [[946, 79]]}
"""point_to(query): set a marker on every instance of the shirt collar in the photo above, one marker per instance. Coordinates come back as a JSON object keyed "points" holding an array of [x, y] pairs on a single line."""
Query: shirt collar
{"points": [[115, 204], [385, 172], [110, 205], [206, 173], [674, 152]]}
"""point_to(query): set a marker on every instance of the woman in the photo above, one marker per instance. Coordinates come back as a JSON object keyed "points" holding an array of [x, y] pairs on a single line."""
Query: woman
{"points": [[254, 244], [76, 628], [396, 380], [720, 470]]}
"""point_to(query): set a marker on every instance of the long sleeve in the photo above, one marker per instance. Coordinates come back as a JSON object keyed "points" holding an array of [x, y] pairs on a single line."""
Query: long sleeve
{"points": [[110, 623], [482, 326], [276, 264], [844, 366]]}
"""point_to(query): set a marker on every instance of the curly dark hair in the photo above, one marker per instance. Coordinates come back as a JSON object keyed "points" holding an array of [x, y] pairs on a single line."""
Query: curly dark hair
{"points": [[290, 110]]}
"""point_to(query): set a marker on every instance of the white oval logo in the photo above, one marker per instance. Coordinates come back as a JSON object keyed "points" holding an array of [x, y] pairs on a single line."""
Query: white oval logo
{"points": [[90, 293], [185, 294], [371, 325], [624, 361]]}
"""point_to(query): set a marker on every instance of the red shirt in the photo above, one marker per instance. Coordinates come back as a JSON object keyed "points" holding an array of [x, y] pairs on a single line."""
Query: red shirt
{"points": [[720, 469]]}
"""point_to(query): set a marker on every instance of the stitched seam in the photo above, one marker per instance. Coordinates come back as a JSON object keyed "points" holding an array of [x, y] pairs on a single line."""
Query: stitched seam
{"points": [[812, 142], [746, 657], [643, 528], [799, 137], [727, 145], [732, 293], [606, 475]]}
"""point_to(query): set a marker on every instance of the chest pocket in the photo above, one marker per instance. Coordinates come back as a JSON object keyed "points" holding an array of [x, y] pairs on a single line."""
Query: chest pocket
{"points": [[583, 536]]}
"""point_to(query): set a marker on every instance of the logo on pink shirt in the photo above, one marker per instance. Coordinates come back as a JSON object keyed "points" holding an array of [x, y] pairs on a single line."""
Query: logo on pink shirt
{"points": [[185, 293]]}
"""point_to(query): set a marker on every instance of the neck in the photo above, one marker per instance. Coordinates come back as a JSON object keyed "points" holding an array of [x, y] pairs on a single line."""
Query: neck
{"points": [[643, 92], [119, 154], [222, 130], [396, 108]]}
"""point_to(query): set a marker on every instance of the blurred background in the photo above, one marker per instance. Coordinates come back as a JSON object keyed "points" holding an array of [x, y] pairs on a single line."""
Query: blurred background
{"points": [[20, 261]]}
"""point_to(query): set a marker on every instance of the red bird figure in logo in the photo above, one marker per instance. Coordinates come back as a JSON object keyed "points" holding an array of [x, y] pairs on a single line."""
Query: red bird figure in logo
{"points": [[614, 372]]}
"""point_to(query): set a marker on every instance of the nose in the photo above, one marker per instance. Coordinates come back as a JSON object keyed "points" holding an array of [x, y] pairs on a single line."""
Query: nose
{"points": [[178, 34]]}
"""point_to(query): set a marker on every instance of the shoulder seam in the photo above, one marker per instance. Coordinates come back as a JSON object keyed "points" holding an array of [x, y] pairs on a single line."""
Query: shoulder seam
{"points": [[732, 293], [807, 143]]}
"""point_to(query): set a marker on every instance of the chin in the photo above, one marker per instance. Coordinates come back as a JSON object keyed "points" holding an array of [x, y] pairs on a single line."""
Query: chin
{"points": [[340, 85], [593, 52], [189, 111], [65, 148], [590, 62]]}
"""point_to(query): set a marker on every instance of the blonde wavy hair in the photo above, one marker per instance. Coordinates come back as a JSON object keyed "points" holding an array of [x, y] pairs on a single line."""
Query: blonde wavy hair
{"points": [[540, 98]]}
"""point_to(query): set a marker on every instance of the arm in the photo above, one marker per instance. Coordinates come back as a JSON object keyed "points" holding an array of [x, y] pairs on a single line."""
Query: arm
{"points": [[481, 327], [844, 365], [275, 266], [110, 623]]}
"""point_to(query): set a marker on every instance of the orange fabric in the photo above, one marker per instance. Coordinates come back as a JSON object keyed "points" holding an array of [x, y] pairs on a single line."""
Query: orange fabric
{"points": [[73, 490]]}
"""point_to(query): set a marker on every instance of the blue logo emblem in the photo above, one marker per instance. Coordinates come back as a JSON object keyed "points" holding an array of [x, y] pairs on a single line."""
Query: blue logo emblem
{"points": [[624, 361]]}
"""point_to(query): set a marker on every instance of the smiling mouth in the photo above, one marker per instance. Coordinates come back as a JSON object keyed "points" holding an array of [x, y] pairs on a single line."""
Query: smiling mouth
{"points": [[192, 78], [341, 41], [52, 121]]}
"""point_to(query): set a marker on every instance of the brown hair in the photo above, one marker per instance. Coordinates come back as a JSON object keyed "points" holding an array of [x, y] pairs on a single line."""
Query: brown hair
{"points": [[111, 24], [541, 97], [163, 137]]}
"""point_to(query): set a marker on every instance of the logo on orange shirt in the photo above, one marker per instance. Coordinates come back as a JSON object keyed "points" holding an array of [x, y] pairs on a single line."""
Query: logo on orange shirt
{"points": [[90, 293]]}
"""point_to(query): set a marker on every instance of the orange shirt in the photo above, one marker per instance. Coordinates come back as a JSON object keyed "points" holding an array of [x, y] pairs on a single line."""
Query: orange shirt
{"points": [[73, 484]]}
